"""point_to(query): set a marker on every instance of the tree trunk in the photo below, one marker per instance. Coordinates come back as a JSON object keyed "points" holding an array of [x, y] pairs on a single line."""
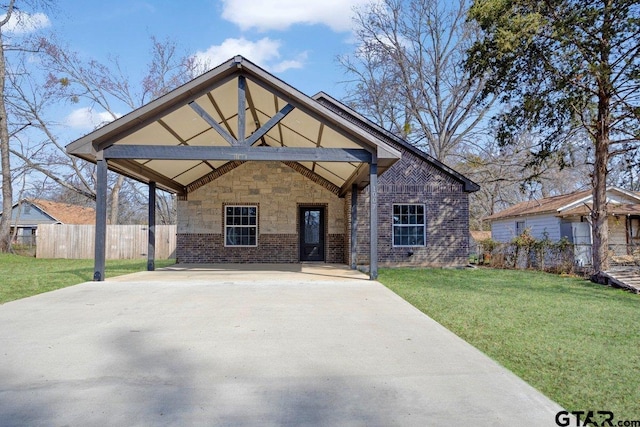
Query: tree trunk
{"points": [[599, 219], [115, 199], [600, 223], [7, 187]]}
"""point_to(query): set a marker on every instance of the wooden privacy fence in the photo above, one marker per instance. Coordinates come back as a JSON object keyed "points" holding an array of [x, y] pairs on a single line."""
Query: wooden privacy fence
{"points": [[123, 241]]}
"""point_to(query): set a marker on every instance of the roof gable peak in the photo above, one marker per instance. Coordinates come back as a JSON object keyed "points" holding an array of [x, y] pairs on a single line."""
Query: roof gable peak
{"points": [[235, 111], [374, 128]]}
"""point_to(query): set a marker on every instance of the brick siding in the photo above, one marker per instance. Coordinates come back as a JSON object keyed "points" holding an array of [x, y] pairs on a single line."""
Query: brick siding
{"points": [[209, 248], [272, 248], [412, 180]]}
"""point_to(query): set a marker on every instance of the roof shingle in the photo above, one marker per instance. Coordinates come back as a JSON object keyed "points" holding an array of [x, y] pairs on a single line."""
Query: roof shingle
{"points": [[67, 213], [551, 205], [546, 205]]}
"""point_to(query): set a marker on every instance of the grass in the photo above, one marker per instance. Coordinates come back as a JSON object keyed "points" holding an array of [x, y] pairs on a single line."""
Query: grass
{"points": [[576, 342], [21, 277]]}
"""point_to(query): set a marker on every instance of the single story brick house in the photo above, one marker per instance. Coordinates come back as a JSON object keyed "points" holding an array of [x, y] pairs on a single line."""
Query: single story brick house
{"points": [[266, 174]]}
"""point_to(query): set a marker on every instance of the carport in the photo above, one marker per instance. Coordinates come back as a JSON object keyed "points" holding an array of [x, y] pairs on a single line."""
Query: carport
{"points": [[235, 113]]}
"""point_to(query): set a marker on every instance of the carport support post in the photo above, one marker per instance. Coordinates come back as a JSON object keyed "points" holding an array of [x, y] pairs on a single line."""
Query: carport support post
{"points": [[354, 225], [151, 251], [101, 217], [373, 217], [242, 114]]}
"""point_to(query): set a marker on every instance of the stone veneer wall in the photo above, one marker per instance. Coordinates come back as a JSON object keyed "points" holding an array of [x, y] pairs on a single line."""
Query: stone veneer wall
{"points": [[278, 191], [411, 180]]}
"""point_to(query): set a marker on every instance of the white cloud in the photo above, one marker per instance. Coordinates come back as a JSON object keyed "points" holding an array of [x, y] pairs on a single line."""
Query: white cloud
{"points": [[87, 119], [24, 23], [290, 63], [264, 52], [281, 14]]}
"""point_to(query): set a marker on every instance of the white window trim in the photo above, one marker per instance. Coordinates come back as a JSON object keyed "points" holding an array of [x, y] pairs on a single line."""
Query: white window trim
{"points": [[423, 225], [224, 236]]}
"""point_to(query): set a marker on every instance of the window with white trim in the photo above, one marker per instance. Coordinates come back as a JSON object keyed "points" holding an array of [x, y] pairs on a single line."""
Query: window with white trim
{"points": [[241, 226], [409, 225], [519, 227]]}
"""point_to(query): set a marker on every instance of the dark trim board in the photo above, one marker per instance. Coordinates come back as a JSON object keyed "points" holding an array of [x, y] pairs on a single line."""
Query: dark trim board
{"points": [[270, 124], [244, 153], [242, 110], [212, 122]]}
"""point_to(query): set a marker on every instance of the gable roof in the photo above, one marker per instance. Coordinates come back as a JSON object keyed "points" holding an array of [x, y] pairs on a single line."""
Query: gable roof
{"points": [[218, 108], [612, 209], [67, 213], [371, 127], [63, 213], [576, 203]]}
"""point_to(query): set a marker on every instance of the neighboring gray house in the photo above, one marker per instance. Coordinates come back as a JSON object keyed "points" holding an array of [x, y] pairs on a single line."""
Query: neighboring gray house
{"points": [[266, 174], [28, 214], [568, 216]]}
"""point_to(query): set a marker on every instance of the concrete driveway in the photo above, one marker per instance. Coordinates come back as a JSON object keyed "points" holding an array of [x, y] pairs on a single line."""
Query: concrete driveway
{"points": [[262, 345]]}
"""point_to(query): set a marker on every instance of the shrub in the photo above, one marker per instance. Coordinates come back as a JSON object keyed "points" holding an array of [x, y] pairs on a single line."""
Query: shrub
{"points": [[527, 252]]}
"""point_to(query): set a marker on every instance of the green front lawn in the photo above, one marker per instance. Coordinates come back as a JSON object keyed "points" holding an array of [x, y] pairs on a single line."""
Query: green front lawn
{"points": [[21, 277], [577, 342]]}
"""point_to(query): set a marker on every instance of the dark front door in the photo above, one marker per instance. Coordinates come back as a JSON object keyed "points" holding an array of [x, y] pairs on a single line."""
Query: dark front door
{"points": [[312, 234]]}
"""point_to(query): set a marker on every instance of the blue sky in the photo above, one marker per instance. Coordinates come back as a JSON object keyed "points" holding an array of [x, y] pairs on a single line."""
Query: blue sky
{"points": [[296, 40]]}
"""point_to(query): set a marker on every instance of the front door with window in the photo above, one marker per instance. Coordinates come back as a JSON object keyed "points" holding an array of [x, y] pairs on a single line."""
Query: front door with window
{"points": [[312, 234]]}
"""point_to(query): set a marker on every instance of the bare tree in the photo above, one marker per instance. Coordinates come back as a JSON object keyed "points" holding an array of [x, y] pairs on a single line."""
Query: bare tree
{"points": [[511, 174], [625, 170], [407, 73], [7, 188], [16, 17], [166, 204], [41, 150], [105, 88]]}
